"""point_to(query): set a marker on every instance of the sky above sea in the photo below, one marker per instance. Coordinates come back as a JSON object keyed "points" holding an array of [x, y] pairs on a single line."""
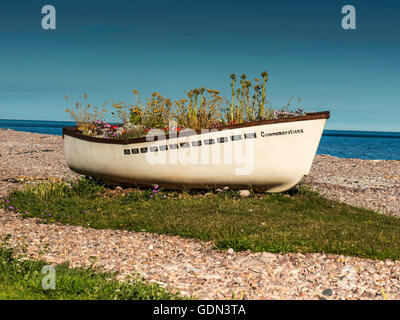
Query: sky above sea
{"points": [[109, 48]]}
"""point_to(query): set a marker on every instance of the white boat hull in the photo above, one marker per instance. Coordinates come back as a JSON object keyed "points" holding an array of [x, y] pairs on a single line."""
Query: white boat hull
{"points": [[269, 156]]}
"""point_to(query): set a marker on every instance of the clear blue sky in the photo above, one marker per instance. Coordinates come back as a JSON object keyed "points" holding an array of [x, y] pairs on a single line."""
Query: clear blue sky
{"points": [[108, 48]]}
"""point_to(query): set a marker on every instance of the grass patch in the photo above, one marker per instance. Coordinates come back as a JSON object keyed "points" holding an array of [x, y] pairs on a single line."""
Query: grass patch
{"points": [[22, 280], [299, 222]]}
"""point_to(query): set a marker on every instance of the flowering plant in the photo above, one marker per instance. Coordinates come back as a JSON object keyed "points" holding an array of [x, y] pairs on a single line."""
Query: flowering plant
{"points": [[203, 108]]}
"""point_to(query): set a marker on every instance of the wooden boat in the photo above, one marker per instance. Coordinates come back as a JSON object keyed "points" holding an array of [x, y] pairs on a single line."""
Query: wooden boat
{"points": [[272, 155]]}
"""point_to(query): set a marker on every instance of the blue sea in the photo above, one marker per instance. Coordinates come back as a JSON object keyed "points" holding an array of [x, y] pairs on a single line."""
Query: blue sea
{"points": [[343, 144]]}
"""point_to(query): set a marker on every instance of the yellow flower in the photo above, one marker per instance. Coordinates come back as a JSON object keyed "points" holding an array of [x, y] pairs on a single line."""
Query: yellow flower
{"points": [[135, 92], [212, 91]]}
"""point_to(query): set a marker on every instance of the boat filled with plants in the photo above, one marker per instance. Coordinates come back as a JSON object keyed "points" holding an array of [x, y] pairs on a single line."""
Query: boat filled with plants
{"points": [[201, 141]]}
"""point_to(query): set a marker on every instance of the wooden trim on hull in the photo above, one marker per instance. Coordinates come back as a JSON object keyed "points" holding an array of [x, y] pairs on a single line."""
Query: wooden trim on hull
{"points": [[73, 131]]}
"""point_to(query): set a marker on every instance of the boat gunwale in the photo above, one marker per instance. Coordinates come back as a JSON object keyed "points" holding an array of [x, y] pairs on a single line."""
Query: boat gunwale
{"points": [[73, 130]]}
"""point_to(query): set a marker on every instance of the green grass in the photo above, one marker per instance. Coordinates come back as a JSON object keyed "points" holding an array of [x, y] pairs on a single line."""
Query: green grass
{"points": [[22, 280], [303, 222]]}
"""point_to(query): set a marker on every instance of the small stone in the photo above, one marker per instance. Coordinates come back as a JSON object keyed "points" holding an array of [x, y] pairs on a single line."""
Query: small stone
{"points": [[188, 269], [240, 259], [151, 247], [327, 292], [268, 257], [244, 193], [389, 262], [209, 277], [231, 251], [371, 291], [208, 194], [171, 267]]}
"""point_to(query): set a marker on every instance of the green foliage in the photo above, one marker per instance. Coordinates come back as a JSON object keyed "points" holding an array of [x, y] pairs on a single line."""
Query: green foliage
{"points": [[157, 112], [49, 191], [202, 109], [87, 186], [85, 113], [296, 221]]}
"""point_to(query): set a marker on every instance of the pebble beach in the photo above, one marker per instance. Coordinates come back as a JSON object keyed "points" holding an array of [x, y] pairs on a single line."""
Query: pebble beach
{"points": [[193, 267]]}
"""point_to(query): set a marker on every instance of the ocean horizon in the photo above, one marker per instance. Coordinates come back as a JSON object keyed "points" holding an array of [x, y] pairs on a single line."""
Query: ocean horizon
{"points": [[375, 145]]}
